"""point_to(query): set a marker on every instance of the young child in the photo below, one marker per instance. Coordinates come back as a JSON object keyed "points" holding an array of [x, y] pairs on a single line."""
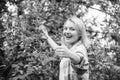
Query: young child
{"points": [[74, 63]]}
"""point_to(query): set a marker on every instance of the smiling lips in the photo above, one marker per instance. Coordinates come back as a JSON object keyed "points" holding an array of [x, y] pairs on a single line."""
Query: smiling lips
{"points": [[68, 36]]}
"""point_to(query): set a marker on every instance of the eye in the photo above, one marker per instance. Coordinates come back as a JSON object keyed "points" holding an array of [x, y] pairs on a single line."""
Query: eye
{"points": [[65, 28], [72, 29]]}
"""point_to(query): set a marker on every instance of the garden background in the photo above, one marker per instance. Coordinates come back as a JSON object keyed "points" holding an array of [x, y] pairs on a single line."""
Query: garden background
{"points": [[25, 55]]}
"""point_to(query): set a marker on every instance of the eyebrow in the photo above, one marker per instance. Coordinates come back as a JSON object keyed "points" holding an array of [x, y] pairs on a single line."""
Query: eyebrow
{"points": [[71, 21]]}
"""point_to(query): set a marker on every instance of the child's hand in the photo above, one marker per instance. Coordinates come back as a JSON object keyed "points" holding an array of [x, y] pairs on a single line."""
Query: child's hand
{"points": [[44, 30], [62, 51]]}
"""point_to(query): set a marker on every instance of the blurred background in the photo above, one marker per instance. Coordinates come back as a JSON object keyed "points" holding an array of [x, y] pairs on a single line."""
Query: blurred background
{"points": [[25, 55]]}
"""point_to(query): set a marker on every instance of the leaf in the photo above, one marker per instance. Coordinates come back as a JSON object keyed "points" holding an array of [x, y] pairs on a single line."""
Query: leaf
{"points": [[47, 60]]}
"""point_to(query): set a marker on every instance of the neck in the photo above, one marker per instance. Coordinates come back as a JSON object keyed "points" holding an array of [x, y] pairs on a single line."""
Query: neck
{"points": [[69, 45]]}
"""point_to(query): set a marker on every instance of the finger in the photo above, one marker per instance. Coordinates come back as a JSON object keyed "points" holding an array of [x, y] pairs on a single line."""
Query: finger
{"points": [[59, 51], [44, 28], [40, 27], [62, 56], [60, 48]]}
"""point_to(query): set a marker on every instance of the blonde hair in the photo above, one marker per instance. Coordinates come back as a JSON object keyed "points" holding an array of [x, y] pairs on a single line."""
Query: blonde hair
{"points": [[81, 29]]}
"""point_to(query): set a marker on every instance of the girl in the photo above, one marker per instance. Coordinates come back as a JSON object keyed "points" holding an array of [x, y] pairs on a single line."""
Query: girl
{"points": [[74, 59]]}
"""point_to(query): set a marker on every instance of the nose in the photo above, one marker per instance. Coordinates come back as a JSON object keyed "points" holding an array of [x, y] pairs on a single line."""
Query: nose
{"points": [[67, 31]]}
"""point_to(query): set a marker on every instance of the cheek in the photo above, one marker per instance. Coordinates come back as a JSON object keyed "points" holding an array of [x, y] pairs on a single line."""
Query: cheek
{"points": [[79, 33], [63, 33], [78, 30], [77, 36]]}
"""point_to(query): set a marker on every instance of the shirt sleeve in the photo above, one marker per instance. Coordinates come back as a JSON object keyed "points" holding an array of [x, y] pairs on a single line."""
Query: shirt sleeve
{"points": [[81, 52]]}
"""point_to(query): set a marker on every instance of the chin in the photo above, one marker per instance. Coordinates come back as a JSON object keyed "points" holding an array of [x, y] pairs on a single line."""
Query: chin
{"points": [[69, 42]]}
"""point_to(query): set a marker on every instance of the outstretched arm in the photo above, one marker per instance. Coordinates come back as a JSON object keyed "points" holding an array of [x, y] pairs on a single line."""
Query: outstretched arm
{"points": [[61, 51]]}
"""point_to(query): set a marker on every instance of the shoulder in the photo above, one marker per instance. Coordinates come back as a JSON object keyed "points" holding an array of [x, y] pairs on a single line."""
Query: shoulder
{"points": [[81, 48]]}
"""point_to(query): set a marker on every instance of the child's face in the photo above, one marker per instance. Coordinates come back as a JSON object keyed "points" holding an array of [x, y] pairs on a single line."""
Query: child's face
{"points": [[70, 33]]}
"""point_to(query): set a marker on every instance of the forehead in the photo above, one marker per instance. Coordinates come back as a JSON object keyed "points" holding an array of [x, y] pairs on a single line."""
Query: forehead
{"points": [[69, 24]]}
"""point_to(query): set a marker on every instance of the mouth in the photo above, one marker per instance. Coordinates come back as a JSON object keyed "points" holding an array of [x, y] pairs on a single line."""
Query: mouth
{"points": [[68, 36]]}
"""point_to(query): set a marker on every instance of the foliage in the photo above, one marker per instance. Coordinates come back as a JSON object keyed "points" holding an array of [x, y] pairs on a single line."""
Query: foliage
{"points": [[27, 56]]}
